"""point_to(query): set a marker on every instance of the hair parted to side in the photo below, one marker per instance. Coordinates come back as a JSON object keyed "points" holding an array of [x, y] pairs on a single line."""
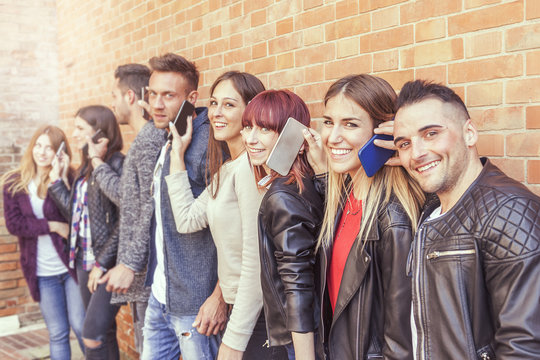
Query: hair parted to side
{"points": [[377, 98], [18, 179], [175, 63], [418, 90], [248, 86], [271, 109], [100, 117], [132, 77]]}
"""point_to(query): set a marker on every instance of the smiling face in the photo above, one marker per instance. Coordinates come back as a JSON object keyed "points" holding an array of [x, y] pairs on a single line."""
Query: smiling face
{"points": [[43, 152], [433, 144], [259, 142], [166, 92], [225, 112], [346, 128], [81, 132]]}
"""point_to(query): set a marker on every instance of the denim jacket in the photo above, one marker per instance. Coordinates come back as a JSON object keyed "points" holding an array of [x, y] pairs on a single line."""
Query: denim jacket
{"points": [[190, 259]]}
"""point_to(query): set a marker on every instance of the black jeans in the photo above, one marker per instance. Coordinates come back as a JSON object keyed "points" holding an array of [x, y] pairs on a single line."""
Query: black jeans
{"points": [[100, 322], [257, 347]]}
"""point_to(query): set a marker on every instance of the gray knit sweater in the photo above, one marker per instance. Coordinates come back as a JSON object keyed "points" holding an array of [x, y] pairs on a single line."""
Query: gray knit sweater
{"points": [[136, 205]]}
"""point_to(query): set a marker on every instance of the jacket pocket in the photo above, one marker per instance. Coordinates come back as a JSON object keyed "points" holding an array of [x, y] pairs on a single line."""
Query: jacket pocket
{"points": [[432, 255]]}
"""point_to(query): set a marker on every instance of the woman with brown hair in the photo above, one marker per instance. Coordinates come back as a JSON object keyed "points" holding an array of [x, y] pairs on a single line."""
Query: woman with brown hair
{"points": [[367, 230], [33, 217], [93, 235]]}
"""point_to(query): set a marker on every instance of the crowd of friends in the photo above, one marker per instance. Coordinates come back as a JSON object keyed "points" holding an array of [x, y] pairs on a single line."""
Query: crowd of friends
{"points": [[436, 256]]}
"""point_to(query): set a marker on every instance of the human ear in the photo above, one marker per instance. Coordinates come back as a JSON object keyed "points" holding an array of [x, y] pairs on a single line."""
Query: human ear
{"points": [[130, 97], [470, 133], [193, 96]]}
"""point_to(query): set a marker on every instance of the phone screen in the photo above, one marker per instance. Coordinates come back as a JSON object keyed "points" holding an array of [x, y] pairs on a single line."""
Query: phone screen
{"points": [[180, 122]]}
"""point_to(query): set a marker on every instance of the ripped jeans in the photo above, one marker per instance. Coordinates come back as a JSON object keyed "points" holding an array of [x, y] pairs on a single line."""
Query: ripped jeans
{"points": [[167, 336]]}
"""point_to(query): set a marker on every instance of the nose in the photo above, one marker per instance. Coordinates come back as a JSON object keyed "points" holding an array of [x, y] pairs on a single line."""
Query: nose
{"points": [[418, 149], [335, 135], [251, 137], [218, 110], [158, 102]]}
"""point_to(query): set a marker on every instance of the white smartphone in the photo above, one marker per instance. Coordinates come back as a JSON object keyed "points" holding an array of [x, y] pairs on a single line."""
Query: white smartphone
{"points": [[287, 147]]}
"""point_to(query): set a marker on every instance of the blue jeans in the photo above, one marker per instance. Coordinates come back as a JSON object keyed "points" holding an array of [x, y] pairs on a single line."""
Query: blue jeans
{"points": [[61, 306], [167, 336]]}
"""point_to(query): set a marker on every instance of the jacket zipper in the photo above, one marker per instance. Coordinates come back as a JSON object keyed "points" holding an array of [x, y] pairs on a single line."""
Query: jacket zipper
{"points": [[437, 254], [485, 356], [420, 325]]}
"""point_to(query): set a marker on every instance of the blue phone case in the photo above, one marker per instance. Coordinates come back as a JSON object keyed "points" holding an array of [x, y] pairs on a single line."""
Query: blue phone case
{"points": [[373, 157]]}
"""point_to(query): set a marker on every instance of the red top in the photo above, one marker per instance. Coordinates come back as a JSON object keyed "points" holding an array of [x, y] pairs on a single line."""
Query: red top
{"points": [[346, 233]]}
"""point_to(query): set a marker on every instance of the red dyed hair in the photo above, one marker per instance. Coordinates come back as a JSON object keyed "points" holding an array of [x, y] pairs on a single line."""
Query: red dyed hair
{"points": [[271, 109]]}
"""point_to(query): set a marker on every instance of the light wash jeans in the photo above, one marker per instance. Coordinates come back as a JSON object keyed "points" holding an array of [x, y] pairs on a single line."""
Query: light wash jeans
{"points": [[167, 336], [61, 306]]}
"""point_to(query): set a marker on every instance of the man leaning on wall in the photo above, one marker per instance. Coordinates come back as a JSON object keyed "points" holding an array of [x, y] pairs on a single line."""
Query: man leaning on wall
{"points": [[475, 259]]}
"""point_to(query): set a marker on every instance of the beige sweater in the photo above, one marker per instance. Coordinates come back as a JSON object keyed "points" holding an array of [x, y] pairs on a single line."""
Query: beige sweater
{"points": [[232, 217]]}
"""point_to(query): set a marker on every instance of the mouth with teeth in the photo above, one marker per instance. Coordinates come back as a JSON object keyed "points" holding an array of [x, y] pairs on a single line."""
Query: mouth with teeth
{"points": [[219, 124], [339, 153], [426, 167]]}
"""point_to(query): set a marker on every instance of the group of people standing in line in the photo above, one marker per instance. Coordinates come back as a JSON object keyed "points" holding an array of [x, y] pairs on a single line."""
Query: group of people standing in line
{"points": [[434, 257]]}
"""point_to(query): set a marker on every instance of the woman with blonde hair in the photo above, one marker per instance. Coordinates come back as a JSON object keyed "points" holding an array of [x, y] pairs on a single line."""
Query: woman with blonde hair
{"points": [[33, 217], [367, 229]]}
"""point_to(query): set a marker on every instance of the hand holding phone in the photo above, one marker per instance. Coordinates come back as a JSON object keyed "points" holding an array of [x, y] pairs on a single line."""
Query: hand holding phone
{"points": [[287, 147], [374, 157], [61, 148], [180, 122]]}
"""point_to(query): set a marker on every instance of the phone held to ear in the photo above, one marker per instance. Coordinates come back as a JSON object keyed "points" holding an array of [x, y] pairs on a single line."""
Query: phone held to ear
{"points": [[97, 135], [374, 157], [61, 148], [180, 122], [287, 147]]}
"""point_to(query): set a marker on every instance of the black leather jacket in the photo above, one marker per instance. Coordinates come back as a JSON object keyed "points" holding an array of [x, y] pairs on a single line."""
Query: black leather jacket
{"points": [[289, 224], [371, 319], [102, 211], [476, 274]]}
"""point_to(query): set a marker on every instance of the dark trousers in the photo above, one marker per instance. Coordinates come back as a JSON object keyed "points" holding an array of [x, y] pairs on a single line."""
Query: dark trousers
{"points": [[99, 323], [257, 347]]}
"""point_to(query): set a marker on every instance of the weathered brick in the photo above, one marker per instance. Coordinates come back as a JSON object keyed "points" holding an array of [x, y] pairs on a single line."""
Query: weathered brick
{"points": [[533, 117], [484, 94], [314, 17], [340, 68], [387, 60], [397, 78], [469, 4], [309, 4], [261, 65], [491, 17], [442, 51], [515, 168], [258, 50], [430, 29], [523, 37], [285, 43], [424, 9], [533, 171], [533, 63], [432, 73], [258, 18], [501, 118], [347, 47], [348, 27], [284, 26], [315, 54], [346, 8], [285, 61], [493, 68], [490, 145], [532, 10], [523, 91], [386, 39], [523, 144], [483, 44], [385, 18]]}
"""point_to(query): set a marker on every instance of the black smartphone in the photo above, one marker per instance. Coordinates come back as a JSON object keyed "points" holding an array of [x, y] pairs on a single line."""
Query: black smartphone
{"points": [[98, 135], [60, 149], [374, 157], [180, 122], [287, 146]]}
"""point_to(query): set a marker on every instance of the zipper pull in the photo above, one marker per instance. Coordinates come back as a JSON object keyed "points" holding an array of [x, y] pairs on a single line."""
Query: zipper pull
{"points": [[266, 344], [433, 255], [107, 217], [485, 356]]}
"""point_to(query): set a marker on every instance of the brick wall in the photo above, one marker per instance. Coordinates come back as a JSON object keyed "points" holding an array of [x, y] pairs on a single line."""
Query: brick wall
{"points": [[29, 98], [487, 50]]}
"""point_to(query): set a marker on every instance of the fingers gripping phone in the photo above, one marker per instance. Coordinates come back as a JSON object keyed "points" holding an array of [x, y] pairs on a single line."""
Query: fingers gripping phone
{"points": [[180, 122], [374, 157], [287, 147], [97, 135]]}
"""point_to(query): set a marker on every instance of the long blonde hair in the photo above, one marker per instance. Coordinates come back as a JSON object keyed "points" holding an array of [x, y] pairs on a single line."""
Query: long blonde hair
{"points": [[18, 179], [377, 98]]}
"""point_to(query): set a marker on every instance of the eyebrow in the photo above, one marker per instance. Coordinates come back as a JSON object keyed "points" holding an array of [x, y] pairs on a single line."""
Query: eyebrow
{"points": [[422, 129], [225, 98], [343, 119]]}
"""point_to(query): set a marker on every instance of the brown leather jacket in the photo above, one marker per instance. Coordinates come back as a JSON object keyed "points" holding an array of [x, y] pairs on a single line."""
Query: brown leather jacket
{"points": [[372, 314], [476, 274]]}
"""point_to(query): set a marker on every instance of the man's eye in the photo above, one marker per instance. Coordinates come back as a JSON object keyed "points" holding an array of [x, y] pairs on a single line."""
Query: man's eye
{"points": [[403, 145], [431, 133]]}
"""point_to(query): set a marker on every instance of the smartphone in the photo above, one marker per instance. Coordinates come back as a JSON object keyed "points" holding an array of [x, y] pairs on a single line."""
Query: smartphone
{"points": [[60, 149], [374, 157], [180, 122], [98, 135], [287, 147]]}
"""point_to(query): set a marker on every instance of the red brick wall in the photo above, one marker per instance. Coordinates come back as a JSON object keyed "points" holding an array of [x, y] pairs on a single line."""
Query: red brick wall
{"points": [[487, 50], [29, 98]]}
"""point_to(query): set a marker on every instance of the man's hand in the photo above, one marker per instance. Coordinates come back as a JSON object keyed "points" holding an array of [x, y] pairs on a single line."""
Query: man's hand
{"points": [[60, 228], [93, 278], [212, 315], [315, 153], [96, 152], [118, 279], [387, 128], [228, 353]]}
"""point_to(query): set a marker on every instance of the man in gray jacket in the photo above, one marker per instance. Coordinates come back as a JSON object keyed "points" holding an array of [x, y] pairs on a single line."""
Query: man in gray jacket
{"points": [[129, 80]]}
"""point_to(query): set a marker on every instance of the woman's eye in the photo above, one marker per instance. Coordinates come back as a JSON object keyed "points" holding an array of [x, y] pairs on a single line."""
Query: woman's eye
{"points": [[247, 128], [328, 122], [213, 102], [265, 129], [229, 105], [351, 125]]}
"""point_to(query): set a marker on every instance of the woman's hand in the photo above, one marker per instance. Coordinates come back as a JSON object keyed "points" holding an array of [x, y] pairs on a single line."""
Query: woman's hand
{"points": [[60, 228], [179, 146], [93, 277], [316, 154], [387, 128], [228, 353], [60, 166]]}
